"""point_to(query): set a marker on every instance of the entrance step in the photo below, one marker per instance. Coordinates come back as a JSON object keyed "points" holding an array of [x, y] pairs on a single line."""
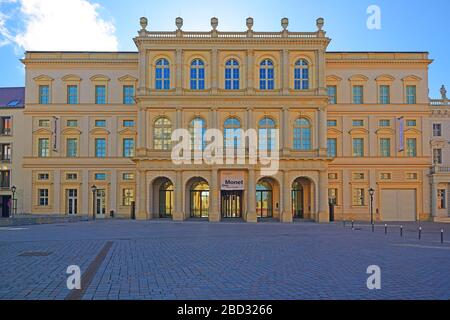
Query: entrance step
{"points": [[442, 219]]}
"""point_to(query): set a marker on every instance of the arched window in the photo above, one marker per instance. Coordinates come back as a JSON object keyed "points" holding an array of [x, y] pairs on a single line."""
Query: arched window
{"points": [[197, 75], [302, 134], [197, 129], [266, 75], [266, 134], [232, 133], [232, 74], [162, 75], [301, 75], [162, 134]]}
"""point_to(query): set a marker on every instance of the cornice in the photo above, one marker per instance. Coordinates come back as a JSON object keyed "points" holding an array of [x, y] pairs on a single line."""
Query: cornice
{"points": [[79, 61], [381, 61]]}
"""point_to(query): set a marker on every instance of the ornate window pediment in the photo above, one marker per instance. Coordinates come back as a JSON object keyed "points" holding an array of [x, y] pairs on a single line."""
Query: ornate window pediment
{"points": [[358, 78], [359, 131], [43, 131], [413, 131], [385, 78], [334, 131], [99, 132], [71, 77], [412, 78], [100, 77], [385, 131], [333, 78], [71, 131], [127, 78], [439, 142], [127, 131], [43, 78]]}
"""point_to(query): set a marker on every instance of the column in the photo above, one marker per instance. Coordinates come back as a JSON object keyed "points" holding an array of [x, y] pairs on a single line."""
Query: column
{"points": [[214, 215], [113, 141], [285, 130], [113, 195], [322, 127], [250, 71], [287, 216], [179, 119], [142, 70], [57, 193], [178, 214], [86, 201], [324, 214], [214, 71], [285, 80], [434, 196], [251, 197], [213, 118], [142, 131], [321, 85], [179, 71], [141, 196]]}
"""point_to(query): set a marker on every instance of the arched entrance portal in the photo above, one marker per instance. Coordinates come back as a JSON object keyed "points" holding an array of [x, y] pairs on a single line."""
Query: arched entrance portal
{"points": [[302, 198], [163, 195], [267, 199], [198, 198]]}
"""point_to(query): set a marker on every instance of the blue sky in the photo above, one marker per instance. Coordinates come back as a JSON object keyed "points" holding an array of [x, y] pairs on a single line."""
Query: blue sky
{"points": [[110, 25]]}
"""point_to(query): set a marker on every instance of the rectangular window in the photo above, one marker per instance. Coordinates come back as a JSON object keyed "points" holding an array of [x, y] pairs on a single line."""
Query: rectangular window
{"points": [[5, 179], [72, 147], [385, 123], [5, 126], [358, 197], [437, 130], [437, 156], [71, 176], [128, 123], [411, 94], [411, 176], [358, 176], [5, 152], [72, 94], [43, 197], [100, 148], [358, 147], [128, 176], [358, 123], [72, 123], [385, 176], [128, 148], [411, 147], [332, 123], [358, 94], [100, 123], [332, 94], [442, 203], [43, 176], [100, 94], [44, 123], [127, 197], [385, 147], [332, 176], [44, 148], [332, 148], [411, 123], [385, 94], [100, 177], [44, 94], [333, 196], [128, 95]]}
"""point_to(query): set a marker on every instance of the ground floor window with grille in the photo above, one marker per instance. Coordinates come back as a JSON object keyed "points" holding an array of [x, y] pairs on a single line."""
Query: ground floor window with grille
{"points": [[128, 197], [358, 197], [442, 199], [43, 197]]}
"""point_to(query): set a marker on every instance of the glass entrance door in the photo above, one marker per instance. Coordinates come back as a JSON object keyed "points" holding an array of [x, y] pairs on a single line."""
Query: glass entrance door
{"points": [[100, 203], [264, 200], [297, 203], [232, 204], [72, 201]]}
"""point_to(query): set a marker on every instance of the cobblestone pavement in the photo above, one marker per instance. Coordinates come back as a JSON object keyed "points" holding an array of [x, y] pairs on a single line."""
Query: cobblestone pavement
{"points": [[236, 261]]}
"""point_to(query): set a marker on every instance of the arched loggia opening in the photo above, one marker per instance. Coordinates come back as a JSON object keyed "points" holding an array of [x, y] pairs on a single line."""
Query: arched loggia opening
{"points": [[302, 198], [267, 199], [198, 197], [163, 195]]}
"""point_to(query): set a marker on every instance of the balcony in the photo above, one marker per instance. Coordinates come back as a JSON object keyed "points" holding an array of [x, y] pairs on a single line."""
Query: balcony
{"points": [[440, 169], [439, 102]]}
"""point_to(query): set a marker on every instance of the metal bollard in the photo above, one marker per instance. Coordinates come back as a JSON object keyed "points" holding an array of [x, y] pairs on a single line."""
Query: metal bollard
{"points": [[442, 235], [385, 229], [401, 231], [353, 225], [420, 233], [344, 223], [373, 227]]}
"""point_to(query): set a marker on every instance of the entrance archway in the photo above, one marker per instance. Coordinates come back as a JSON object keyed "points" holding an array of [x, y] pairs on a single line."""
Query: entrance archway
{"points": [[302, 198], [267, 200], [198, 190], [163, 195]]}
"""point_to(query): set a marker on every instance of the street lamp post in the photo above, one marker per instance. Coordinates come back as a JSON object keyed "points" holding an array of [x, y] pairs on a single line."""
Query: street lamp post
{"points": [[13, 209], [94, 191], [371, 193]]}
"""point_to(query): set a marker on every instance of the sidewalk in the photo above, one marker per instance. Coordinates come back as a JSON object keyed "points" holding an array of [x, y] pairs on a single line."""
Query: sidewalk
{"points": [[25, 220]]}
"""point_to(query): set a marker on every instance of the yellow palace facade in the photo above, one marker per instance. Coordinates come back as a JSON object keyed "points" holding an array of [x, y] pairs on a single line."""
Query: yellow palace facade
{"points": [[351, 126]]}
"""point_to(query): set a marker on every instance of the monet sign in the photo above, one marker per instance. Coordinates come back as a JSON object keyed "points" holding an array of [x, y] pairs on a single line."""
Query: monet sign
{"points": [[232, 180]]}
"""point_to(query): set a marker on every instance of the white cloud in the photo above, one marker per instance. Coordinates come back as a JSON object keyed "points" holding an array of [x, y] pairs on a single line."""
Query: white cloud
{"points": [[66, 25]]}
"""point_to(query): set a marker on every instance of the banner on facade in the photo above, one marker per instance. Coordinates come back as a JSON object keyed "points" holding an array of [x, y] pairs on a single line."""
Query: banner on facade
{"points": [[401, 134], [232, 180], [55, 133]]}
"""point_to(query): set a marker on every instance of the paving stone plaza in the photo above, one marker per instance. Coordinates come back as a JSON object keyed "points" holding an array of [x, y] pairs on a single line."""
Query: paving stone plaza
{"points": [[235, 261]]}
